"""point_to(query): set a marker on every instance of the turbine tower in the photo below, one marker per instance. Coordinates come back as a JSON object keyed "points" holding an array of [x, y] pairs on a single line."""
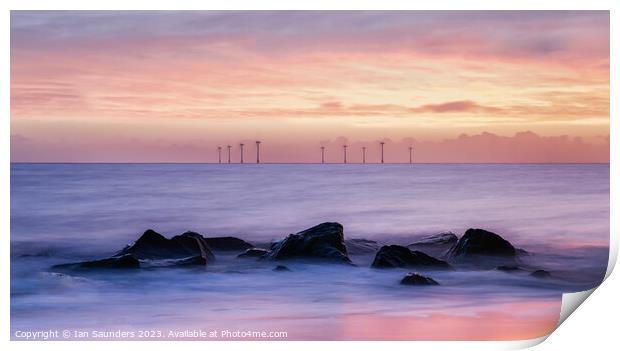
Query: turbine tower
{"points": [[410, 154], [241, 148], [382, 143], [322, 154], [229, 147], [363, 154], [219, 154], [344, 147], [257, 151]]}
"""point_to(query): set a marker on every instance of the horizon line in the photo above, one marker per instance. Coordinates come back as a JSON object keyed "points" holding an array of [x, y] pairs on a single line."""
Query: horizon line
{"points": [[326, 163]]}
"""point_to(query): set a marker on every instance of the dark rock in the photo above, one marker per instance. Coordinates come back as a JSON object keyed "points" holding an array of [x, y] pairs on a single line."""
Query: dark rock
{"points": [[479, 242], [521, 252], [361, 246], [509, 268], [435, 245], [281, 269], [324, 241], [228, 243], [541, 273], [417, 279], [120, 262], [399, 256], [253, 253], [152, 245], [445, 238], [189, 261]]}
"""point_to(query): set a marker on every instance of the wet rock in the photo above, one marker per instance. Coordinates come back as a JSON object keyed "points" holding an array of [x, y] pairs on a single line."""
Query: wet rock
{"points": [[480, 242], [509, 268], [435, 245], [418, 279], [541, 273], [444, 238], [322, 242], [399, 256], [253, 253], [120, 262], [228, 243], [522, 252], [152, 245], [361, 246], [189, 261], [280, 268]]}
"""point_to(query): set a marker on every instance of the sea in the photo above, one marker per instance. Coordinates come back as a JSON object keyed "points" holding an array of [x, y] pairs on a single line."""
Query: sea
{"points": [[62, 213]]}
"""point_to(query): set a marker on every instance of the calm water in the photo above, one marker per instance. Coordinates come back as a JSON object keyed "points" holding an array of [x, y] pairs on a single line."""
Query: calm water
{"points": [[63, 213]]}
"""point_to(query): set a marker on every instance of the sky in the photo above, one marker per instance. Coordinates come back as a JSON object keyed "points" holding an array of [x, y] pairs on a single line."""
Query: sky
{"points": [[472, 86]]}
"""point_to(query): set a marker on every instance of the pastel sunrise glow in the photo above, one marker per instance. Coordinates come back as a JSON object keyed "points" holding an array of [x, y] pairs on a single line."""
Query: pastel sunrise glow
{"points": [[472, 86]]}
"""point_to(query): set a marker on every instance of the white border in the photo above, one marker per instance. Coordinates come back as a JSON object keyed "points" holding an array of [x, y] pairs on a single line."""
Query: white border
{"points": [[572, 333]]}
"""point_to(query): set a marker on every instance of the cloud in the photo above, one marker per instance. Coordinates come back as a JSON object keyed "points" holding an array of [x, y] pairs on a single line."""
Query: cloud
{"points": [[455, 106]]}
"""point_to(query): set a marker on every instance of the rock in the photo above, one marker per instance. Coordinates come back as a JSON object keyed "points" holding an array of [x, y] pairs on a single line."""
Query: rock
{"points": [[187, 249], [479, 242], [444, 238], [361, 246], [120, 262], [399, 256], [281, 269], [324, 241], [418, 279], [541, 273], [522, 252], [253, 253], [189, 261], [435, 245], [509, 268], [152, 245], [228, 243]]}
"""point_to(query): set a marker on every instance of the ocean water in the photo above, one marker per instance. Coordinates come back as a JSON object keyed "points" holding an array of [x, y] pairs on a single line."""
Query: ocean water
{"points": [[64, 213]]}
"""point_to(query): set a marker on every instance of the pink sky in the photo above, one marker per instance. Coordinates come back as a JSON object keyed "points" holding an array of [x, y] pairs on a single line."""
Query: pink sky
{"points": [[172, 86]]}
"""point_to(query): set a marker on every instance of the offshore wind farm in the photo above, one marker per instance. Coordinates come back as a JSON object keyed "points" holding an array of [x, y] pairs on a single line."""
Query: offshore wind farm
{"points": [[322, 150]]}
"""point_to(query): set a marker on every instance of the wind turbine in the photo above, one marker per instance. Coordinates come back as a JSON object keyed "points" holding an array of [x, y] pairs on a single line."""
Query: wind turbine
{"points": [[363, 154], [322, 154], [241, 148], [229, 147], [257, 151], [382, 143], [219, 154], [410, 154], [345, 152]]}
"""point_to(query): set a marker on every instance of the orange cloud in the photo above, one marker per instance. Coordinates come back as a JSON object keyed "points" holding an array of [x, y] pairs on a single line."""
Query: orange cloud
{"points": [[456, 106]]}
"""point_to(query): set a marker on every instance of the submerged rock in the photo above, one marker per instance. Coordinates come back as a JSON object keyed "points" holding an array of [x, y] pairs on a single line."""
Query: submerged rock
{"points": [[228, 243], [522, 252], [324, 241], [509, 268], [253, 253], [189, 261], [152, 245], [399, 256], [444, 238], [479, 242], [418, 279], [361, 246], [119, 262], [435, 245], [541, 273], [280, 268]]}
